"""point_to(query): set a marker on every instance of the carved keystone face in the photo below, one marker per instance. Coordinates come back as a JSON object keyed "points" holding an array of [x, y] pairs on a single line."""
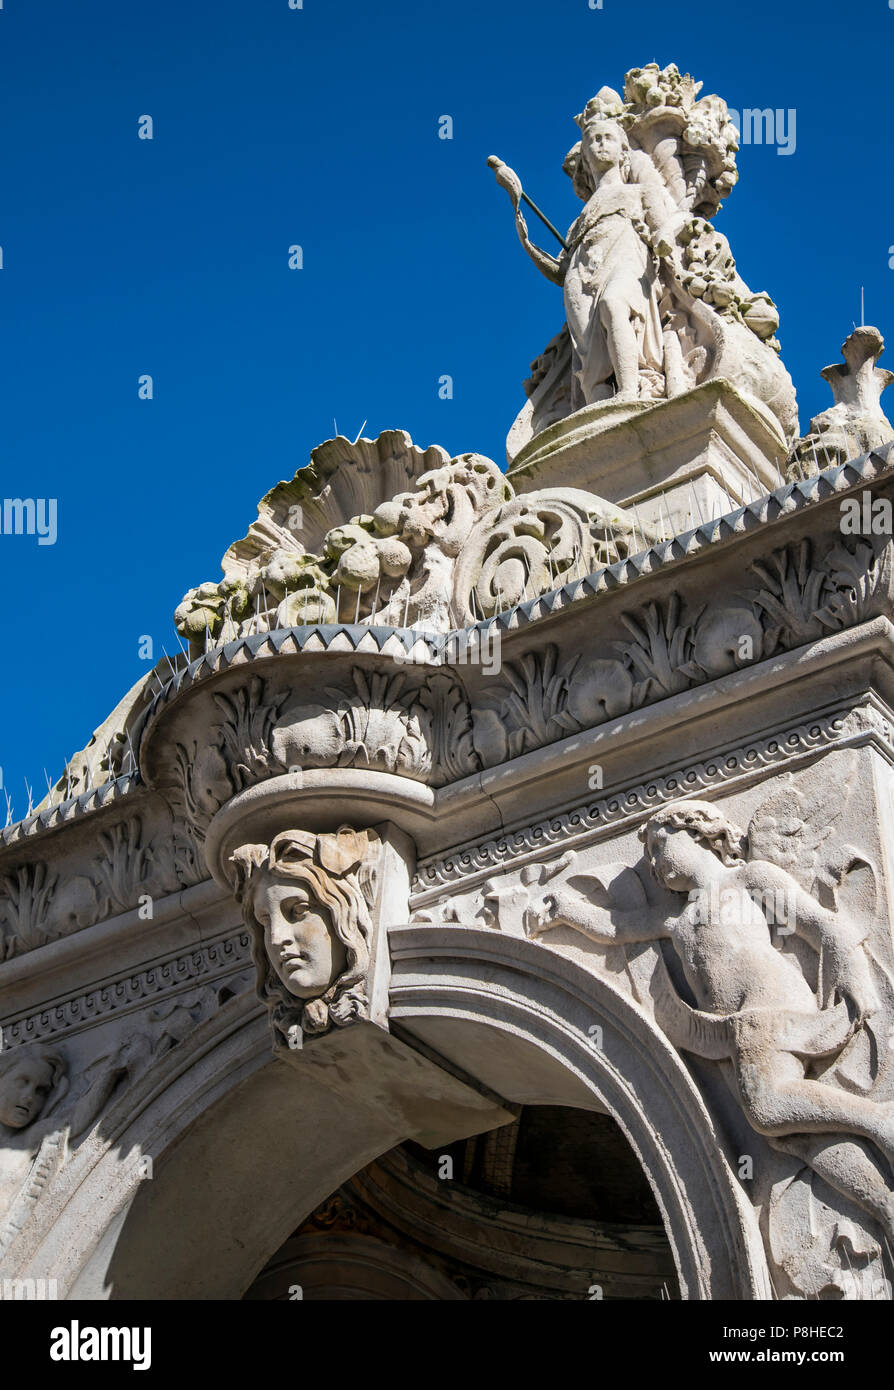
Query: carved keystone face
{"points": [[298, 936], [680, 860], [23, 1093]]}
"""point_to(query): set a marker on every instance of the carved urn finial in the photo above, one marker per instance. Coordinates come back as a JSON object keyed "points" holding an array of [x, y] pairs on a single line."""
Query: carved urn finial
{"points": [[856, 423]]}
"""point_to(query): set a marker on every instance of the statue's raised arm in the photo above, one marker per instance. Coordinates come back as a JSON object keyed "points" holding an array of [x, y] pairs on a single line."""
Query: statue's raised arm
{"points": [[553, 267]]}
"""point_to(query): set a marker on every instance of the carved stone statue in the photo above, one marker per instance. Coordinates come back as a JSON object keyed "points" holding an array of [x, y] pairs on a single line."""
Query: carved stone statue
{"points": [[653, 302], [856, 422], [607, 268], [786, 1038], [307, 900]]}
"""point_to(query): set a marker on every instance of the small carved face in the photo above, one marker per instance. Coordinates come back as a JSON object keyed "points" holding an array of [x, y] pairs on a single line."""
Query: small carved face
{"points": [[679, 858], [23, 1093], [602, 144], [300, 943]]}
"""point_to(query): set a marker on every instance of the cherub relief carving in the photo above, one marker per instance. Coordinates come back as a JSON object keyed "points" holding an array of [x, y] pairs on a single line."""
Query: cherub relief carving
{"points": [[36, 1124], [788, 993], [307, 900], [49, 1103]]}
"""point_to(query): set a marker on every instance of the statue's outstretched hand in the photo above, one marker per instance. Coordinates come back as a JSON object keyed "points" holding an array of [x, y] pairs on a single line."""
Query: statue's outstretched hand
{"points": [[846, 971], [562, 907]]}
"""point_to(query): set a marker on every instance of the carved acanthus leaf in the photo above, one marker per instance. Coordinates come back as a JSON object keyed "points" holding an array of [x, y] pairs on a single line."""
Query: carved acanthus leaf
{"points": [[25, 898]]}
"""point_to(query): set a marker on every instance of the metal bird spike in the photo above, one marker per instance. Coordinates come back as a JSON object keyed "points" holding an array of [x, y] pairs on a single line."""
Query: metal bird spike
{"points": [[645, 538], [760, 489], [696, 503], [170, 664], [133, 756], [8, 807], [30, 795], [670, 526]]}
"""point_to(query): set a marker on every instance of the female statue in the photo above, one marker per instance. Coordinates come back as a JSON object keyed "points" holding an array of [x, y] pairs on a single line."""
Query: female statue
{"points": [[654, 305], [609, 268]]}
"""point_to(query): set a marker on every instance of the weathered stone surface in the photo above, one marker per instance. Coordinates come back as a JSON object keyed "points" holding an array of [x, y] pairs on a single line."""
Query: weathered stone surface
{"points": [[472, 793], [654, 304]]}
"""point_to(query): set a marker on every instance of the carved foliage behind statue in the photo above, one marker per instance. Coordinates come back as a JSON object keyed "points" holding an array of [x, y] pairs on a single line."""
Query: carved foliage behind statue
{"points": [[455, 546]]}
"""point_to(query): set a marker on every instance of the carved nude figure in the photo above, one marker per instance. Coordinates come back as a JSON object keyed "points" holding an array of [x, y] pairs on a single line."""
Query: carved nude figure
{"points": [[306, 898], [754, 1005]]}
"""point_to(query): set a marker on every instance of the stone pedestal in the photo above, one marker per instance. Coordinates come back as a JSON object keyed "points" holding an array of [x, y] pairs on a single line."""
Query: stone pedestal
{"points": [[679, 462]]}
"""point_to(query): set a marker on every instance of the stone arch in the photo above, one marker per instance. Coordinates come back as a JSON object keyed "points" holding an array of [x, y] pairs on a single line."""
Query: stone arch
{"points": [[245, 1147], [518, 1017]]}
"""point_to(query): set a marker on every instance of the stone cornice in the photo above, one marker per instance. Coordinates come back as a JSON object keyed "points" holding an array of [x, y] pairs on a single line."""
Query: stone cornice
{"points": [[209, 963], [735, 765], [414, 648]]}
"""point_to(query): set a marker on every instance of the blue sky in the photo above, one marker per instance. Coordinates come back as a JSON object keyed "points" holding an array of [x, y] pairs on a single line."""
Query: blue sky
{"points": [[319, 126]]}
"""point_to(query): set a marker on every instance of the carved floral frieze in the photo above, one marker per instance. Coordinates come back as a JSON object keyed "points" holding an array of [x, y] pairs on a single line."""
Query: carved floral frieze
{"points": [[41, 901], [672, 646]]}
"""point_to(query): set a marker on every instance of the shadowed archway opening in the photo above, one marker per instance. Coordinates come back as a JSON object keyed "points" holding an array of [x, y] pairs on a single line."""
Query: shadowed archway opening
{"points": [[552, 1206]]}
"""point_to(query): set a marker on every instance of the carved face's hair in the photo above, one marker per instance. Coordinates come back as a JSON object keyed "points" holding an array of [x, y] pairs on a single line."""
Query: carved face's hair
{"points": [[334, 871], [708, 824], [44, 1055]]}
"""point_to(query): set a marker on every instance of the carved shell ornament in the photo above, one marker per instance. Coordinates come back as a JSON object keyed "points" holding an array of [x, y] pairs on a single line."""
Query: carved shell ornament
{"points": [[536, 543], [452, 545]]}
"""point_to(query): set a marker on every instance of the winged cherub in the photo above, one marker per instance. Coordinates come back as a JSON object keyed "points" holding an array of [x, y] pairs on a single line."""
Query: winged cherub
{"points": [[755, 1007]]}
